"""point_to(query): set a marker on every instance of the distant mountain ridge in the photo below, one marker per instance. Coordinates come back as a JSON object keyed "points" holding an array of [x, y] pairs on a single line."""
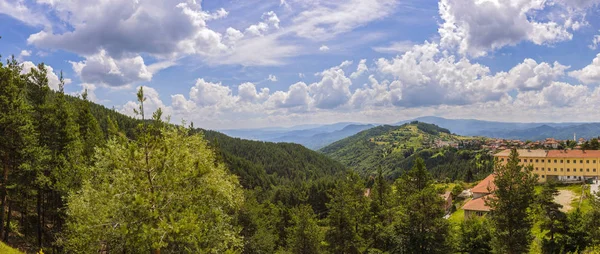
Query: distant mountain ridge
{"points": [[513, 130], [313, 137]]}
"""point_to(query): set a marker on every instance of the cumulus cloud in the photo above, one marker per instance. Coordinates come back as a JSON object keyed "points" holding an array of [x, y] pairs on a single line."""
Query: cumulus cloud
{"points": [[323, 48], [333, 90], [297, 97], [19, 10], [362, 68], [589, 74], [53, 77], [25, 53], [247, 93], [476, 27], [103, 69]]}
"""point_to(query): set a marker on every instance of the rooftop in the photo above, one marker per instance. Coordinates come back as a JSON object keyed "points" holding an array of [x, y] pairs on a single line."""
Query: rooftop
{"points": [[478, 204], [574, 153], [486, 185], [524, 153]]}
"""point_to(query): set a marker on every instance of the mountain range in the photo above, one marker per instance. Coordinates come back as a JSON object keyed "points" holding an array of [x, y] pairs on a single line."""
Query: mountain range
{"points": [[310, 136]]}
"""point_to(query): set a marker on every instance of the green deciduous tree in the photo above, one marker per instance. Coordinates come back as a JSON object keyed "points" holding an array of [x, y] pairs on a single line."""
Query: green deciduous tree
{"points": [[162, 191], [514, 196]]}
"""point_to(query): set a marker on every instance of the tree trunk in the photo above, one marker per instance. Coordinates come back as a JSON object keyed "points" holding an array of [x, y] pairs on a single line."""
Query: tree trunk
{"points": [[3, 195], [156, 251], [7, 230], [39, 218]]}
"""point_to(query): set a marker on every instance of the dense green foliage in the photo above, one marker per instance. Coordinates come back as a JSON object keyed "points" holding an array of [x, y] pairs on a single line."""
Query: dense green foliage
{"points": [[395, 148], [514, 197]]}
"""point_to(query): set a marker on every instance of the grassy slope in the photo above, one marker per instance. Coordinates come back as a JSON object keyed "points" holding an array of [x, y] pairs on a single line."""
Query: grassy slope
{"points": [[5, 249], [395, 147]]}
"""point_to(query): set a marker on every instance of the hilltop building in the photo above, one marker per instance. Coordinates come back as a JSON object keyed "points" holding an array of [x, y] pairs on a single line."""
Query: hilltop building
{"points": [[561, 165]]}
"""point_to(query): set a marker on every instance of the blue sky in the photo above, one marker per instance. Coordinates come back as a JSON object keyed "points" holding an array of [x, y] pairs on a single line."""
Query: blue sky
{"points": [[260, 63]]}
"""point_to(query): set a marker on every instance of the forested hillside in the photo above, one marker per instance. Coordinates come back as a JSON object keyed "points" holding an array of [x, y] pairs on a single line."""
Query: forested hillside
{"points": [[395, 147]]}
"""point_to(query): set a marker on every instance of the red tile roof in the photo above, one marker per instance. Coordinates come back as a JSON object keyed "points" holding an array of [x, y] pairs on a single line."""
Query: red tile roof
{"points": [[486, 185], [478, 204], [574, 153]]}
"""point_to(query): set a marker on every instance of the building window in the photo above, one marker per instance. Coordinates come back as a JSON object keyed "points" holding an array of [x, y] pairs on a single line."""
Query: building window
{"points": [[554, 161], [568, 161], [542, 169], [561, 161], [530, 160], [594, 170], [542, 160], [502, 159], [580, 170], [561, 169], [594, 161], [587, 161], [542, 176], [554, 169], [587, 170], [568, 170], [536, 160], [581, 161], [568, 177], [536, 169]]}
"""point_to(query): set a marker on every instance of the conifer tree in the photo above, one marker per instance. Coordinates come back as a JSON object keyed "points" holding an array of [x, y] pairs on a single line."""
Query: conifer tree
{"points": [[514, 196], [347, 210], [474, 236], [17, 142], [420, 226], [89, 129], [554, 221], [380, 214], [304, 235]]}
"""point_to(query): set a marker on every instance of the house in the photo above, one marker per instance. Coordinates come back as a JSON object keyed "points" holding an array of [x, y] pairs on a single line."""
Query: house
{"points": [[482, 192], [447, 197]]}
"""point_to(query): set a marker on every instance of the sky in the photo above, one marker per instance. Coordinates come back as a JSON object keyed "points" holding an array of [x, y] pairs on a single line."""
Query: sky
{"points": [[230, 64]]}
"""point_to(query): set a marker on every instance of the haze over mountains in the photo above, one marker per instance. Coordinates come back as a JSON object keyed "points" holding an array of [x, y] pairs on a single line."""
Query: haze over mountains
{"points": [[318, 136]]}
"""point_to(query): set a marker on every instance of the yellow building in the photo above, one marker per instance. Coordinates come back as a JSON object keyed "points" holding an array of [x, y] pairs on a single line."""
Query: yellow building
{"points": [[561, 165]]}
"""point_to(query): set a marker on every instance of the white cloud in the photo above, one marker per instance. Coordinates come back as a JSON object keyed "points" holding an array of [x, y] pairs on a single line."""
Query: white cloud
{"points": [[333, 90], [323, 48], [211, 94], [25, 53], [476, 27], [103, 69], [18, 9], [395, 47], [53, 78], [595, 42], [301, 75], [325, 20], [272, 78], [296, 97], [247, 93], [589, 74], [360, 69]]}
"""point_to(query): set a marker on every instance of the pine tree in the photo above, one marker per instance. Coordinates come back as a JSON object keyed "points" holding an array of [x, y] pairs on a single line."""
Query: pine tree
{"points": [[554, 221], [89, 129], [514, 196], [17, 142], [380, 214], [474, 236], [304, 235], [347, 210], [420, 226]]}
